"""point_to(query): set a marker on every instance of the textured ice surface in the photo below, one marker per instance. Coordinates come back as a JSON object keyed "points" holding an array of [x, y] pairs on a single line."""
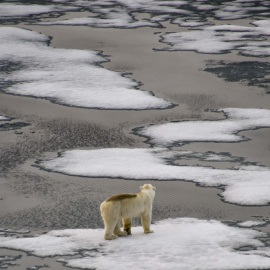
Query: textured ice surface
{"points": [[116, 18], [223, 39], [225, 130], [65, 76], [248, 73], [123, 13], [182, 243], [245, 185], [24, 10]]}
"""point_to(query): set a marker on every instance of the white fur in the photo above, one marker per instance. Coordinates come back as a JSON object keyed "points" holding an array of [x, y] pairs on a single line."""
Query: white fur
{"points": [[113, 211]]}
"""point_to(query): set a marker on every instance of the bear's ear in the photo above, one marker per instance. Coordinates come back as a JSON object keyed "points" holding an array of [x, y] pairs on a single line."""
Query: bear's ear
{"points": [[141, 187], [154, 188]]}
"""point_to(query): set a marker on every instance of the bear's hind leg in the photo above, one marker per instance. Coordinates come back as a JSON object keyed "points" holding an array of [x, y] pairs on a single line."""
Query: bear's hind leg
{"points": [[127, 225], [117, 229], [109, 228]]}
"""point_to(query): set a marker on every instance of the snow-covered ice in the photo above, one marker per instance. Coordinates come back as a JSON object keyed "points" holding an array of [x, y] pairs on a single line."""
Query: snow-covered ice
{"points": [[251, 223], [120, 13], [116, 18], [246, 186], [225, 130], [182, 243], [4, 118], [14, 10], [223, 39], [65, 76]]}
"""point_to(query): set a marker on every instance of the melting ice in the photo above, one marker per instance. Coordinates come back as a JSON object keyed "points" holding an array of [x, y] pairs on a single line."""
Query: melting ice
{"points": [[222, 39], [247, 185], [225, 130], [69, 77]]}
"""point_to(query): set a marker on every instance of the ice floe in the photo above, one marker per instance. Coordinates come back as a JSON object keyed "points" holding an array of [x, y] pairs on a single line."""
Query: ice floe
{"points": [[65, 76], [251, 223], [183, 243], [223, 39], [179, 12], [247, 185], [225, 130], [3, 118], [241, 186], [122, 14], [14, 10], [115, 18], [241, 9]]}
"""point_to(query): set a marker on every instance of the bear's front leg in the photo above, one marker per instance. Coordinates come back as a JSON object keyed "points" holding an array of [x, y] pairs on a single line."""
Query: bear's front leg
{"points": [[127, 225], [146, 222]]}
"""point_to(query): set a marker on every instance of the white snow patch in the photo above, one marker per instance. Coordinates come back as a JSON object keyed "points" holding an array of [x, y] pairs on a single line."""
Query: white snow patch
{"points": [[182, 243], [3, 118], [246, 187], [105, 11], [66, 76], [191, 23], [222, 39], [255, 49], [216, 157], [117, 19], [23, 10], [239, 10], [251, 223], [225, 130], [122, 13], [118, 13]]}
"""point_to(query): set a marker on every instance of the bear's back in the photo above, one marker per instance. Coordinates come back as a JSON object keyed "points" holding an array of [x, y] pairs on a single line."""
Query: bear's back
{"points": [[121, 197]]}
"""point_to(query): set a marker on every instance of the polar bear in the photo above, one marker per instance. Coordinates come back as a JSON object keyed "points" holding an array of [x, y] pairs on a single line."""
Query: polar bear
{"points": [[126, 207]]}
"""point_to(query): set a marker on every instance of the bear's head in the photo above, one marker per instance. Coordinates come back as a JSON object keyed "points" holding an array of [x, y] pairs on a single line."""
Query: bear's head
{"points": [[147, 186]]}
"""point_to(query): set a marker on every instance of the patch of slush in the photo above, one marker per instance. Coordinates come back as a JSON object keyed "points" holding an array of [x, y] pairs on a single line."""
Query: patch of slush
{"points": [[183, 243], [65, 76], [244, 185], [248, 41], [251, 73], [8, 261], [225, 130]]}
